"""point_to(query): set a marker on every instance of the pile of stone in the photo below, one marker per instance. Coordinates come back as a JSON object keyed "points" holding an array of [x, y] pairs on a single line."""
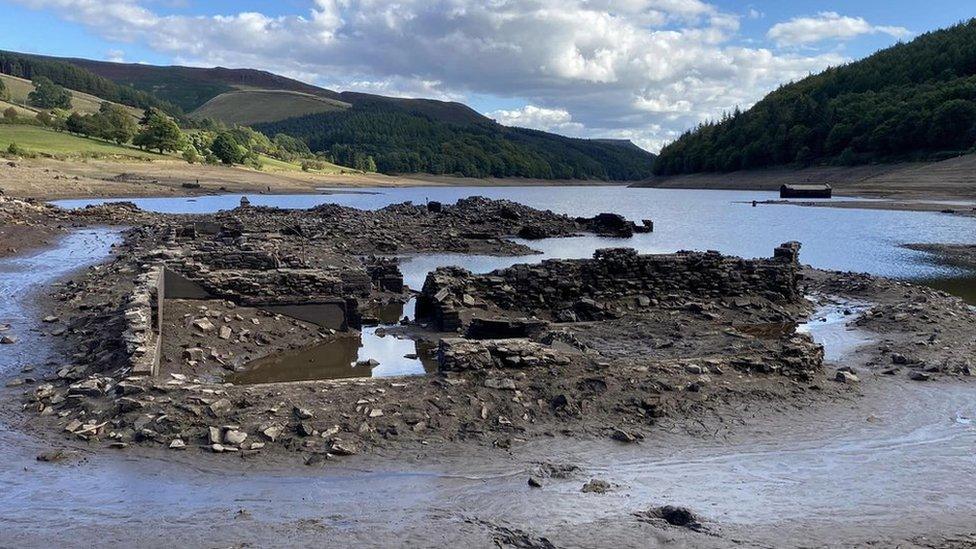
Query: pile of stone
{"points": [[472, 224], [614, 225], [797, 356], [580, 290], [460, 354]]}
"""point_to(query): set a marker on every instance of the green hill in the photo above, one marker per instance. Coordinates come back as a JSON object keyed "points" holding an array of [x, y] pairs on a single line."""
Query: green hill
{"points": [[401, 135], [248, 107], [61, 72], [410, 142], [81, 102], [913, 101]]}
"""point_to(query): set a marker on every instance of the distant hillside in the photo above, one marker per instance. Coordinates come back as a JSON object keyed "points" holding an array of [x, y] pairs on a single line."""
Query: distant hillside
{"points": [[625, 143], [249, 107], [401, 141], [73, 77], [191, 87], [914, 101], [81, 102], [400, 135]]}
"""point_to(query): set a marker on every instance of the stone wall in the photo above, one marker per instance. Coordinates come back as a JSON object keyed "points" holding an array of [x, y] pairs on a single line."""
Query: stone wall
{"points": [[143, 322], [578, 289]]}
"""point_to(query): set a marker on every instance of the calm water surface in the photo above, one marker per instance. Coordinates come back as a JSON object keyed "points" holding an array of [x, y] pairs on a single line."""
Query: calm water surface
{"points": [[841, 239]]}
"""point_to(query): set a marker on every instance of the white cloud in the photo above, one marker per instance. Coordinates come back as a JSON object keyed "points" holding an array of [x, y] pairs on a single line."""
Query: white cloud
{"points": [[538, 118], [827, 25], [645, 69], [115, 56]]}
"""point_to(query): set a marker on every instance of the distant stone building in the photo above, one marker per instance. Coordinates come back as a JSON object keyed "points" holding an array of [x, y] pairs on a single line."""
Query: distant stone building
{"points": [[805, 191]]}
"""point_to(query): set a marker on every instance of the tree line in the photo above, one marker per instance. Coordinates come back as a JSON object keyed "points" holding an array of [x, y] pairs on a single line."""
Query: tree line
{"points": [[76, 78], [397, 141], [914, 101], [202, 141]]}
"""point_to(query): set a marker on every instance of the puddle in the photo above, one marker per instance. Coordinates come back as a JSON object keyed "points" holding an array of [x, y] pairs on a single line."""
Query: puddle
{"points": [[962, 286], [348, 356], [829, 325]]}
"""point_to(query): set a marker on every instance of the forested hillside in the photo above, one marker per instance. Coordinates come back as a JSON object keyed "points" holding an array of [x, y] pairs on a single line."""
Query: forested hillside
{"points": [[914, 101], [76, 78], [410, 142]]}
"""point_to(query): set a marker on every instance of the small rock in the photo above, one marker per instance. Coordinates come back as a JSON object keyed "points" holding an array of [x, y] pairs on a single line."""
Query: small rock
{"points": [[220, 407], [917, 375], [623, 436], [53, 456], [503, 383], [50, 319], [233, 436], [846, 377], [535, 483], [897, 358], [203, 324], [272, 432], [177, 444], [225, 332], [303, 413], [596, 486], [8, 340], [675, 516], [341, 450], [194, 353]]}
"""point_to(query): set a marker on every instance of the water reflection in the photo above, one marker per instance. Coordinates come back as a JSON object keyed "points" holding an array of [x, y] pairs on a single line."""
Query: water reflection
{"points": [[349, 355]]}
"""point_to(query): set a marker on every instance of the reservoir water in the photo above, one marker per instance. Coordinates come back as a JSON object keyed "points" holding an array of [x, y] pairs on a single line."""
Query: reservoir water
{"points": [[833, 238]]}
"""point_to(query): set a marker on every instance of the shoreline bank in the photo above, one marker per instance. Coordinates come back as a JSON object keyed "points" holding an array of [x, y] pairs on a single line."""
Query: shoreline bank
{"points": [[47, 179], [952, 179]]}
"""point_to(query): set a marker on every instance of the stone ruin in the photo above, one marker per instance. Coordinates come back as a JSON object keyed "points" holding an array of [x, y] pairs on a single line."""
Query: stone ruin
{"points": [[579, 289], [226, 267]]}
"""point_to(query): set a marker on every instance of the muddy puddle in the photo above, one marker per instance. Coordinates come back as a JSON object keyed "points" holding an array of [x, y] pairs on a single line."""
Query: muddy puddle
{"points": [[373, 352], [392, 355]]}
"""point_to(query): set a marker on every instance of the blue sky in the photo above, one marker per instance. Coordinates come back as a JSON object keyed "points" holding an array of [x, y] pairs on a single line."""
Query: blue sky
{"points": [[638, 69]]}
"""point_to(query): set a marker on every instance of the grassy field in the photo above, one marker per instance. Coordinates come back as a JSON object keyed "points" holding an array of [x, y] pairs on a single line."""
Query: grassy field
{"points": [[269, 164], [248, 107], [21, 111], [44, 141], [81, 102]]}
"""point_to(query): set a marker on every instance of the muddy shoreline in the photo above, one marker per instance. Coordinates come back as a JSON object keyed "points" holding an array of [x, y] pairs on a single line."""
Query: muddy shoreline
{"points": [[968, 210], [47, 179], [961, 255], [592, 390]]}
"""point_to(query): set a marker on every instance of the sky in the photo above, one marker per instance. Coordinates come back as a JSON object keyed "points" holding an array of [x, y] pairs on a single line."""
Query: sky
{"points": [[645, 70]]}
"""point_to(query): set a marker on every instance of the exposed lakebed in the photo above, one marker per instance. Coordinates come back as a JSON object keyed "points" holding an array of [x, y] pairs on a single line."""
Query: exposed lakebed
{"points": [[841, 239], [871, 468], [900, 457]]}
